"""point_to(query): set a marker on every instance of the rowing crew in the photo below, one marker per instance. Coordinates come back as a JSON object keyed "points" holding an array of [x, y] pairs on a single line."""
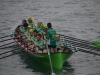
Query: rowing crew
{"points": [[38, 37]]}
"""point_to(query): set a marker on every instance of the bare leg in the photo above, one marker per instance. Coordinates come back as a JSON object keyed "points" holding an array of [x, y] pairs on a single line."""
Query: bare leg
{"points": [[34, 49], [60, 51], [51, 50], [39, 51], [67, 50], [55, 49], [44, 51]]}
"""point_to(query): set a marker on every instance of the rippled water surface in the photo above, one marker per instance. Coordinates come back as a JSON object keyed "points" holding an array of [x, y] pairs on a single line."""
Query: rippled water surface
{"points": [[75, 18]]}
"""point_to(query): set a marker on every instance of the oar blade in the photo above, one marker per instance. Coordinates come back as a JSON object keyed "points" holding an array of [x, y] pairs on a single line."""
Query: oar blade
{"points": [[96, 43]]}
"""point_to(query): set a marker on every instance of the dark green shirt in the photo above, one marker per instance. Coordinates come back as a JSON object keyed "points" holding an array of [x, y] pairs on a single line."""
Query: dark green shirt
{"points": [[32, 25], [39, 29], [32, 37], [51, 35], [41, 42]]}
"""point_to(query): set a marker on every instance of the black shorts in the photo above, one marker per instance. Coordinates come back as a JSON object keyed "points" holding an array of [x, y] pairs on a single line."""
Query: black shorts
{"points": [[50, 46], [58, 49], [41, 49]]}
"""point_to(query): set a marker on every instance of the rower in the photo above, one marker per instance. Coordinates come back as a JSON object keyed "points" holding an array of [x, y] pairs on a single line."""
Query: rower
{"points": [[32, 38], [51, 38], [31, 22], [40, 44], [39, 27], [45, 28], [60, 45], [22, 29], [22, 26]]}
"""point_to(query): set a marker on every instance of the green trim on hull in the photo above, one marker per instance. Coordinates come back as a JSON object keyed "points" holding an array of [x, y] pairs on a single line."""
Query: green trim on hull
{"points": [[57, 58], [96, 43]]}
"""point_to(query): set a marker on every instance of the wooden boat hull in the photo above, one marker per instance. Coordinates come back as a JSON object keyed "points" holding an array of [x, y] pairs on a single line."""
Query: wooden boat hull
{"points": [[57, 58]]}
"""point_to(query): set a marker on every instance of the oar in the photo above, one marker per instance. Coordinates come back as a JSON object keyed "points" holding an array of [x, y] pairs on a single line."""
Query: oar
{"points": [[6, 40], [12, 54], [82, 50], [76, 49], [75, 39], [9, 51], [7, 47], [49, 58], [7, 36], [95, 43], [7, 44], [82, 45]]}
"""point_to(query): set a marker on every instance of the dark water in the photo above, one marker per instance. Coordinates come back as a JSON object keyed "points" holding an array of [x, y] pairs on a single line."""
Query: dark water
{"points": [[76, 18]]}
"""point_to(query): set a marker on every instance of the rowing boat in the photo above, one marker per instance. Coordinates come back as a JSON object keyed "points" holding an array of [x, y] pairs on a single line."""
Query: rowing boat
{"points": [[57, 58]]}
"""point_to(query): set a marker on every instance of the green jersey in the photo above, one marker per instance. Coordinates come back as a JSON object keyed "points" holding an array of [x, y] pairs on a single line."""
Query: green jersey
{"points": [[32, 25], [51, 36], [32, 37], [26, 32], [39, 29], [22, 28], [41, 43], [58, 43]]}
